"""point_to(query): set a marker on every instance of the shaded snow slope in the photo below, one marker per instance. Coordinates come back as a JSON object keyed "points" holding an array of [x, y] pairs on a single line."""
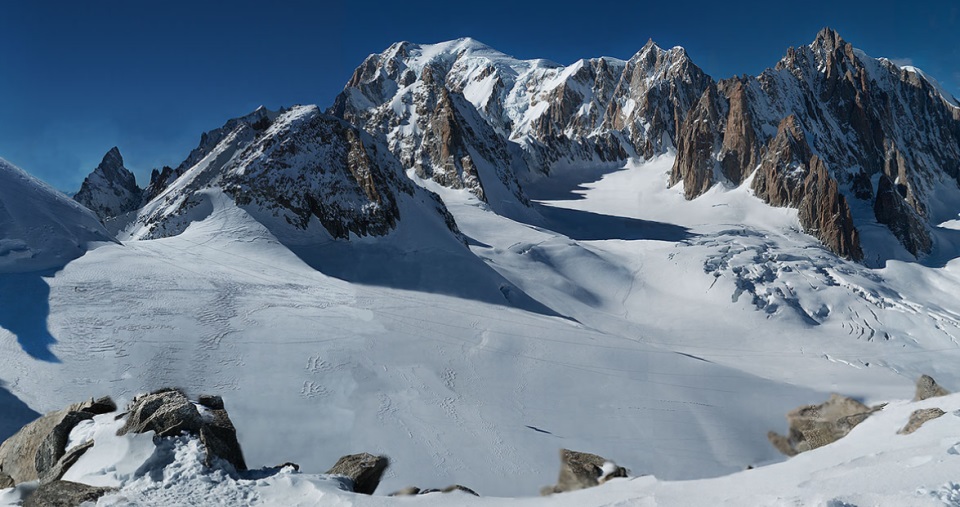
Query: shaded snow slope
{"points": [[40, 228]]}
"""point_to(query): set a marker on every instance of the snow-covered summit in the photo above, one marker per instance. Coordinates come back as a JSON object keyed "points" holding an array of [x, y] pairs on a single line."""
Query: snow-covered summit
{"points": [[41, 228]]}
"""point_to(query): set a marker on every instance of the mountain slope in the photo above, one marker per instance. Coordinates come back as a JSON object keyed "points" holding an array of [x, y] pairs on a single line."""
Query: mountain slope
{"points": [[862, 117], [298, 170], [111, 189], [40, 228]]}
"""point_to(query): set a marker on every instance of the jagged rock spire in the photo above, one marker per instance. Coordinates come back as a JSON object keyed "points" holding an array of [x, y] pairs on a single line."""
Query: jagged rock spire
{"points": [[111, 189]]}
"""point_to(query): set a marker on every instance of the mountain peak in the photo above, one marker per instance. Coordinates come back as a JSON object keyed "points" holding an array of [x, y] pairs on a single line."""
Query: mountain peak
{"points": [[111, 161], [828, 38], [111, 189]]}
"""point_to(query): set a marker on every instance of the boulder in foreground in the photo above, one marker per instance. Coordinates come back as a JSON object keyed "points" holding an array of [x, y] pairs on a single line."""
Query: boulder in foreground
{"points": [[581, 470], [365, 470]]}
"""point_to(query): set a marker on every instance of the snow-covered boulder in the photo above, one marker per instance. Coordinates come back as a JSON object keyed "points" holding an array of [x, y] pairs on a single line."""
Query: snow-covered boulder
{"points": [[813, 426], [581, 470], [927, 387], [40, 446], [364, 471], [918, 418], [168, 412]]}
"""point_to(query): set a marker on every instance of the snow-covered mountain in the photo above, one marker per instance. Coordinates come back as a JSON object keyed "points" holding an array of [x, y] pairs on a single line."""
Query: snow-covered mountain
{"points": [[476, 260], [867, 121], [458, 111], [888, 137], [296, 170], [40, 227], [111, 189]]}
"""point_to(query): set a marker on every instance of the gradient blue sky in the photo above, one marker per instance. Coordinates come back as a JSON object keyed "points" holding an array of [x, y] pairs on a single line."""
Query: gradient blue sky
{"points": [[149, 76]]}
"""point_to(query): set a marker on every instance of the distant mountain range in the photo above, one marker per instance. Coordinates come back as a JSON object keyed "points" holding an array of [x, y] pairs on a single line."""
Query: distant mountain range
{"points": [[845, 138]]}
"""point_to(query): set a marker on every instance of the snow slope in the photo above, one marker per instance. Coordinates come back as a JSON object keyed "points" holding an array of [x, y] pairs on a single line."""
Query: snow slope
{"points": [[667, 337], [40, 228], [871, 466]]}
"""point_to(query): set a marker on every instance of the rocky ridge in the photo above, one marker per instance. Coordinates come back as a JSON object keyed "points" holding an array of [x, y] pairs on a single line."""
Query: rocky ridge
{"points": [[111, 189], [863, 118], [885, 135], [299, 169]]}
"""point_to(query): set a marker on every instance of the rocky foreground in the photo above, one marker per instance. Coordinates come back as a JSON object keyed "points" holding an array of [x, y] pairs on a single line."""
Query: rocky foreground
{"points": [[83, 452]]}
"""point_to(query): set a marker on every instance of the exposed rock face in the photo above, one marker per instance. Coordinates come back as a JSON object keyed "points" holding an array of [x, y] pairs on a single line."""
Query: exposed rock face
{"points": [[111, 189], [918, 418], [64, 494], [55, 472], [6, 481], [166, 412], [862, 117], [169, 412], [928, 388], [438, 105], [740, 150], [39, 446], [365, 470], [824, 213], [304, 171], [415, 103], [791, 175], [813, 426], [160, 179], [892, 210], [697, 142], [654, 93], [780, 178], [581, 470]]}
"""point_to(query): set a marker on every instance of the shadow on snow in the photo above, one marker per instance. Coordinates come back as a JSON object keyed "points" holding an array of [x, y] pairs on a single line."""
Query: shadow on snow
{"points": [[24, 309], [14, 414]]}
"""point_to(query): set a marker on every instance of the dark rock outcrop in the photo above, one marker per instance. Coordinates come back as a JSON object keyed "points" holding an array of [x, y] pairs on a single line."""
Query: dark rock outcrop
{"points": [[413, 490], [780, 178], [791, 175], [740, 150], [111, 189], [6, 481], [40, 445], [918, 418], [160, 179], [824, 213], [55, 472], [64, 494], [581, 470], [813, 426], [697, 141], [450, 489], [862, 118], [364, 470], [892, 210], [928, 388], [168, 412]]}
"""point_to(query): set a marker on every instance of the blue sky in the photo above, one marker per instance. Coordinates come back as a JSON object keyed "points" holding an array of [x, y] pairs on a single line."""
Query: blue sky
{"points": [[80, 77]]}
